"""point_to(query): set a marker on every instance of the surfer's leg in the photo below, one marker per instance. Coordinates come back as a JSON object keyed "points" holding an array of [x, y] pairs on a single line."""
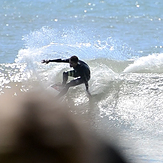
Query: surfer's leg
{"points": [[66, 74], [70, 84], [65, 77]]}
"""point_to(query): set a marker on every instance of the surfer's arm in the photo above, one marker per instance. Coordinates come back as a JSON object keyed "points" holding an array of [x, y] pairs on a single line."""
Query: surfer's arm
{"points": [[85, 78], [60, 60], [87, 88], [55, 60]]}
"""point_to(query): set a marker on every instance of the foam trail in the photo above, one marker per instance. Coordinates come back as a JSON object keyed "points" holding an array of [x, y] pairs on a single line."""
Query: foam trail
{"points": [[52, 43]]}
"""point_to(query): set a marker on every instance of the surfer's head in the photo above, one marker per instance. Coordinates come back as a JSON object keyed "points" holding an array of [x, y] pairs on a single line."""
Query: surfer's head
{"points": [[73, 61]]}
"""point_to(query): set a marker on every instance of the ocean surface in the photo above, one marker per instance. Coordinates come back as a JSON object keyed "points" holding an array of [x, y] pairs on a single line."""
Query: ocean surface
{"points": [[121, 40]]}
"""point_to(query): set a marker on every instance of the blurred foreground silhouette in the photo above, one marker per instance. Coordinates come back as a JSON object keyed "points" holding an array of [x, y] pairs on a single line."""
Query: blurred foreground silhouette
{"points": [[36, 129]]}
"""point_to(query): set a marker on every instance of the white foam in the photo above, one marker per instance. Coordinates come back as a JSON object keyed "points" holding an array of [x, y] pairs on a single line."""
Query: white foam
{"points": [[151, 63]]}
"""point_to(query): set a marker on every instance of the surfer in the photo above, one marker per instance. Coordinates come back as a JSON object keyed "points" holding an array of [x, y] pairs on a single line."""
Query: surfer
{"points": [[80, 72]]}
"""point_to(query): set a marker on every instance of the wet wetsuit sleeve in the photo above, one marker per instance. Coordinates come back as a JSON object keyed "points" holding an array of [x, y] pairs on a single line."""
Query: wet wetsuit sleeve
{"points": [[85, 80], [86, 85], [84, 77], [60, 60]]}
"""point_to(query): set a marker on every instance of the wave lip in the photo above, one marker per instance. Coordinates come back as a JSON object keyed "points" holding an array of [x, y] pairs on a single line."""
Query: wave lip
{"points": [[147, 64]]}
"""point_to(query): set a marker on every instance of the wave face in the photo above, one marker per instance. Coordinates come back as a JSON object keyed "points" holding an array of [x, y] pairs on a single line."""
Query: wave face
{"points": [[126, 91], [124, 87]]}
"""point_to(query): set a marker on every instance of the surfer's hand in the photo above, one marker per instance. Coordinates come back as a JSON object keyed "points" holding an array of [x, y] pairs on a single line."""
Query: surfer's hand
{"points": [[45, 61]]}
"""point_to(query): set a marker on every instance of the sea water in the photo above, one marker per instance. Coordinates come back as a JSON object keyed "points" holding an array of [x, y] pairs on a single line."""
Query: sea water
{"points": [[122, 43]]}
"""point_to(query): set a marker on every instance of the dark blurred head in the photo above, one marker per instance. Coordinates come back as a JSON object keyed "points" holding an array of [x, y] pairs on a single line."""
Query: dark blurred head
{"points": [[35, 128]]}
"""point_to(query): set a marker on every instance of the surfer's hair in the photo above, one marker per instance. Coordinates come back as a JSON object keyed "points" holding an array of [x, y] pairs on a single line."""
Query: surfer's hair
{"points": [[74, 59]]}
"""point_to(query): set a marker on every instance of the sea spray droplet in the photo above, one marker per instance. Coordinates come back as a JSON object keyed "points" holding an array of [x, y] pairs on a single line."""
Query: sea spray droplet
{"points": [[66, 42]]}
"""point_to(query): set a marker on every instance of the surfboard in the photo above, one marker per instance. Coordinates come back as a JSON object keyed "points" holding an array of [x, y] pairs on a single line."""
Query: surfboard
{"points": [[55, 88]]}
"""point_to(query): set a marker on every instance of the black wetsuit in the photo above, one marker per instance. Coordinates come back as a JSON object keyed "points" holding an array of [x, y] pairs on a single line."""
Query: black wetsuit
{"points": [[81, 73]]}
